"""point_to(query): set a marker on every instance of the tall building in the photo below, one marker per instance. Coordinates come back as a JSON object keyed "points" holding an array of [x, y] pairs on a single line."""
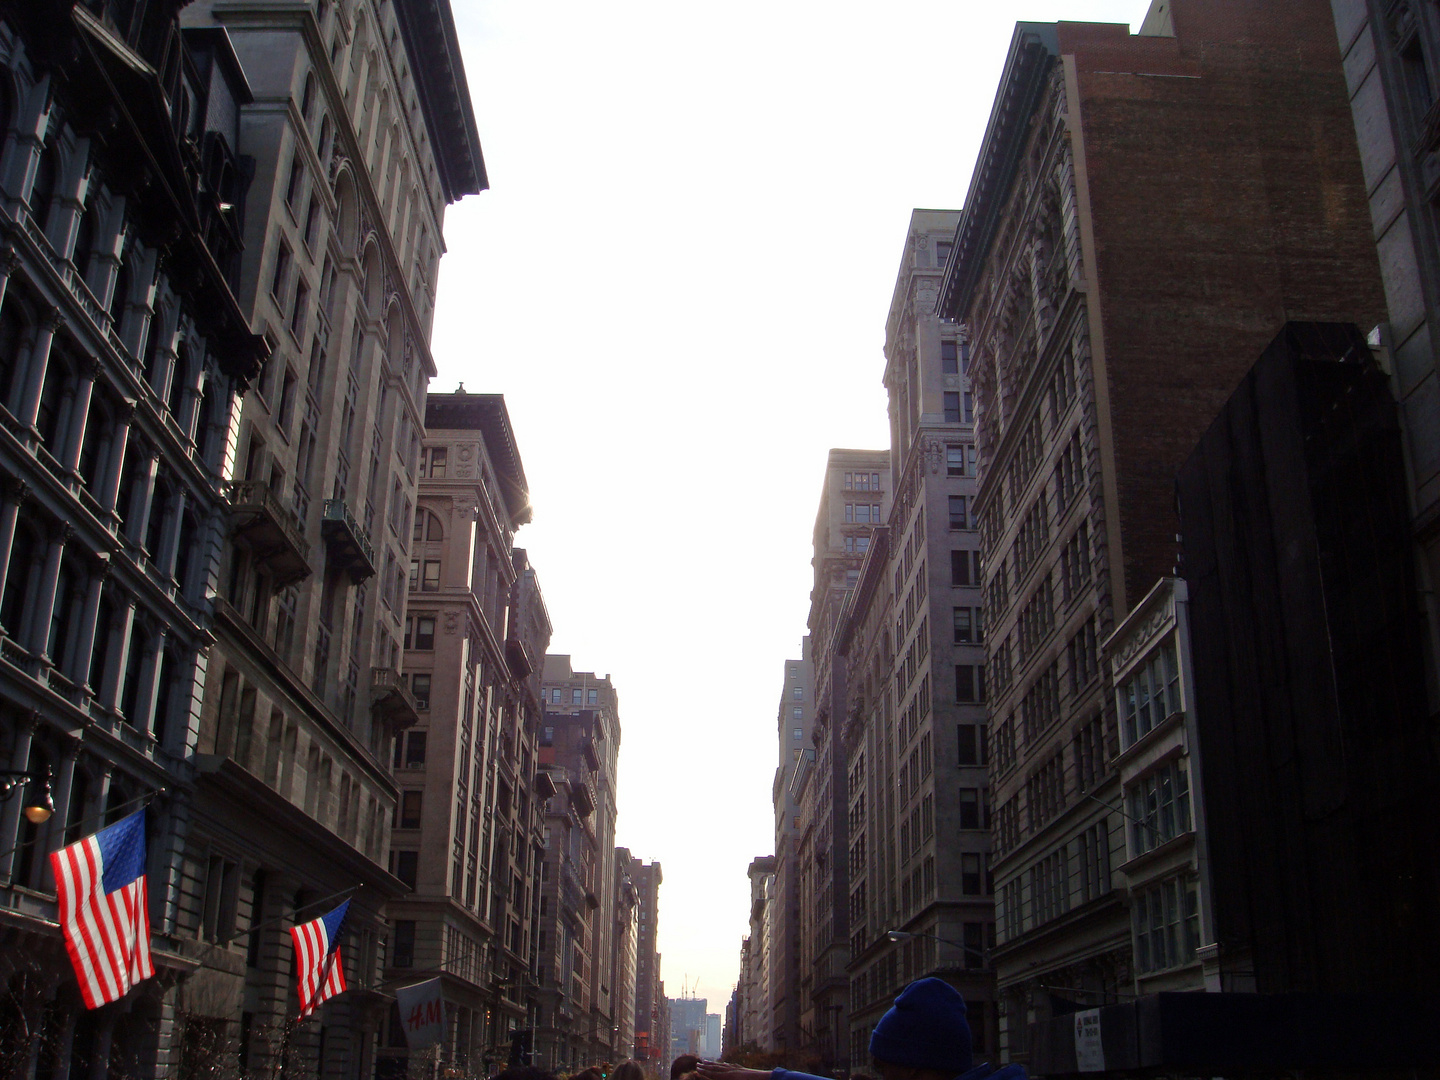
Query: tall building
{"points": [[580, 744], [468, 831], [1144, 215], [688, 1026], [624, 955], [360, 132], [123, 349], [755, 1008], [649, 993], [856, 497], [913, 639], [794, 731], [1391, 57]]}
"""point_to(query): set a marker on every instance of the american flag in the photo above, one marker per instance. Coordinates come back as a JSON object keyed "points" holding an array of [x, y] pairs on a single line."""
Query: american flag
{"points": [[104, 909], [320, 971]]}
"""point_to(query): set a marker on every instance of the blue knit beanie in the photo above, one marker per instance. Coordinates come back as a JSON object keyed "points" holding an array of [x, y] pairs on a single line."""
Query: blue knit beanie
{"points": [[925, 1029]]}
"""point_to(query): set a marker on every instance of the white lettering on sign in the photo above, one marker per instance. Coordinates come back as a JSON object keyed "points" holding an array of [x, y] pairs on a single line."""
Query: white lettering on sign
{"points": [[1089, 1053]]}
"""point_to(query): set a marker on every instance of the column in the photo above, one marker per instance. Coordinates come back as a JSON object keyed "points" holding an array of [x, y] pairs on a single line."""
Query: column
{"points": [[117, 658], [144, 718], [36, 631], [64, 782], [170, 535], [79, 668], [10, 815], [137, 516], [109, 485], [17, 491], [50, 322], [9, 263], [69, 453]]}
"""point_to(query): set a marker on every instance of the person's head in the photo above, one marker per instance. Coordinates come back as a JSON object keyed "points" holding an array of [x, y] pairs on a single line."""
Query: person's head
{"points": [[924, 1036], [592, 1073], [685, 1063], [524, 1072], [627, 1070]]}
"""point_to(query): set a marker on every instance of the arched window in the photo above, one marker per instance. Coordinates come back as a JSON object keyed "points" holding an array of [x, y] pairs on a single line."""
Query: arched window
{"points": [[50, 418], [374, 280], [427, 526], [13, 325], [63, 614], [25, 552], [347, 224], [158, 502], [42, 192], [121, 296], [185, 558], [307, 96], [180, 379], [322, 143]]}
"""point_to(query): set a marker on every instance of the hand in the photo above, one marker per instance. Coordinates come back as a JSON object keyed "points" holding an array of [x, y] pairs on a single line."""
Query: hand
{"points": [[723, 1070]]}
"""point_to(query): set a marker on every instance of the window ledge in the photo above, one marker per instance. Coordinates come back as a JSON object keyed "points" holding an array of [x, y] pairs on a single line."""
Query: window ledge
{"points": [[1170, 723]]}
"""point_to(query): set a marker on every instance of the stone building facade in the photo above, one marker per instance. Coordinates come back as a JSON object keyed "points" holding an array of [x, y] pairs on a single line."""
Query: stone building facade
{"points": [[913, 638], [794, 720], [468, 831], [856, 497], [123, 350], [649, 993], [580, 744], [1105, 333], [624, 955], [359, 134]]}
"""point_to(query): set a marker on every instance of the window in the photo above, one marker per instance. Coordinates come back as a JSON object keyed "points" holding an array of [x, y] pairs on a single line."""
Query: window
{"points": [[795, 733], [798, 693], [1159, 807], [972, 878], [972, 812], [592, 697], [964, 568], [958, 517], [420, 632], [1167, 925], [942, 252], [952, 406], [968, 412], [969, 684], [430, 581], [857, 545], [969, 630], [959, 459], [281, 274], [862, 514], [949, 358], [420, 687], [402, 952], [792, 672], [409, 810], [437, 464], [971, 741], [577, 697], [797, 713], [1152, 694], [407, 867]]}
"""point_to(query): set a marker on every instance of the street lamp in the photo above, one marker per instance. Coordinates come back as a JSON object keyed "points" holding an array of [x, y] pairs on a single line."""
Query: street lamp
{"points": [[968, 950], [40, 810]]}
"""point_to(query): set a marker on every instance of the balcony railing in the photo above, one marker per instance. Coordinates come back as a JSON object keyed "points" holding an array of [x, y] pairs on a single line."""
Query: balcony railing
{"points": [[390, 699], [349, 546], [270, 528]]}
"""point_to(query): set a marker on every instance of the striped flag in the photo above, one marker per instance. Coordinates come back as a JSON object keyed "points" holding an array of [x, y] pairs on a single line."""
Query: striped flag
{"points": [[319, 969], [104, 909]]}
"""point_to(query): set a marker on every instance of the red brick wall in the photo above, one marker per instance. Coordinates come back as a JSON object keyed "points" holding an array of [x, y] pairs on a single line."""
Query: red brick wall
{"points": [[1223, 205]]}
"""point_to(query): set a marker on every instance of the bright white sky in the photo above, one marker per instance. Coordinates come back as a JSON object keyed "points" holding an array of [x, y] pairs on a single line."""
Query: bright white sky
{"points": [[679, 281]]}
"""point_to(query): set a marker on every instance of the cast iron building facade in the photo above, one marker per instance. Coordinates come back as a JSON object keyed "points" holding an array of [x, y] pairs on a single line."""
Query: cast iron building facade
{"points": [[1108, 319], [468, 829], [122, 352], [1392, 68]]}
